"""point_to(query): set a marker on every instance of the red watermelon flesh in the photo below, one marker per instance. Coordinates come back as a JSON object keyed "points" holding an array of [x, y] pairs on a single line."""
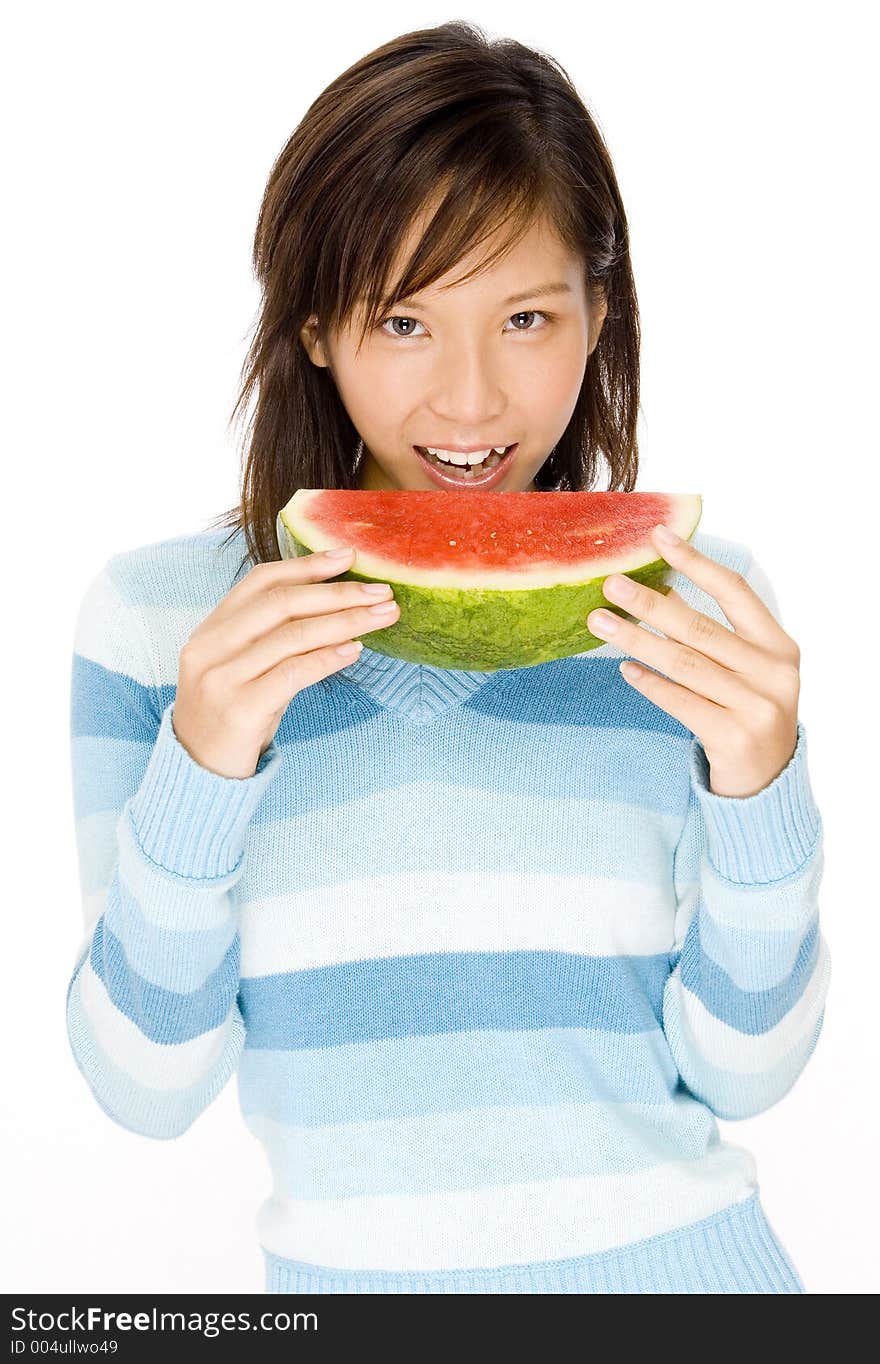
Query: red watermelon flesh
{"points": [[489, 580]]}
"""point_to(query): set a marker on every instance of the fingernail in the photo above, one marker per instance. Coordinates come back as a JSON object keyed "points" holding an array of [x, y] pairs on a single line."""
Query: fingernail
{"points": [[621, 586], [602, 622], [337, 553], [667, 536]]}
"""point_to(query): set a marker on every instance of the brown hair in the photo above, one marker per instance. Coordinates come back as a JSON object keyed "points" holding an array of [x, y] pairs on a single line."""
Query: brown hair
{"points": [[500, 132]]}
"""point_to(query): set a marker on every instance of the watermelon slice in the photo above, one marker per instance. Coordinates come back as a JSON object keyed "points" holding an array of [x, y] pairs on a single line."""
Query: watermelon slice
{"points": [[488, 580]]}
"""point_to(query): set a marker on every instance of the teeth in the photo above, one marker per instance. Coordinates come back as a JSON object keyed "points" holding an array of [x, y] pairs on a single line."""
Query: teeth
{"points": [[467, 475], [458, 458], [472, 467]]}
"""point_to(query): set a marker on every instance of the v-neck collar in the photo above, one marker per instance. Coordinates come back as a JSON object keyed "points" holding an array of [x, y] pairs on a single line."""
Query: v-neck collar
{"points": [[416, 690], [420, 691]]}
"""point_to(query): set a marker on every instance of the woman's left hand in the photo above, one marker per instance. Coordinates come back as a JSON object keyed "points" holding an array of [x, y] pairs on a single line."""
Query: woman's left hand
{"points": [[736, 690]]}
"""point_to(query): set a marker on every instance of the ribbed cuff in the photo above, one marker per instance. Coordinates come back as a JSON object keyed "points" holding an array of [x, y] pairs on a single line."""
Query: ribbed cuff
{"points": [[761, 838], [192, 821]]}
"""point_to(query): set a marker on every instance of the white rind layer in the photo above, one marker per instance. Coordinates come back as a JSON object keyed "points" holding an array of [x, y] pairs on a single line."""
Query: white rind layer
{"points": [[293, 520]]}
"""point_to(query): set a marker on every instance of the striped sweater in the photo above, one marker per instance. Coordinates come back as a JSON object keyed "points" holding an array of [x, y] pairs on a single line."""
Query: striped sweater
{"points": [[486, 955]]}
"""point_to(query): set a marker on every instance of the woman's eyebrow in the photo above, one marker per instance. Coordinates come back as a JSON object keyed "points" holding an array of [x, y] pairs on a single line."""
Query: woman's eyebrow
{"points": [[539, 291]]}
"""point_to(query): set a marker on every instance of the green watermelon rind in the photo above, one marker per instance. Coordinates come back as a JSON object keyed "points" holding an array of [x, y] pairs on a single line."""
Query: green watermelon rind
{"points": [[498, 625]]}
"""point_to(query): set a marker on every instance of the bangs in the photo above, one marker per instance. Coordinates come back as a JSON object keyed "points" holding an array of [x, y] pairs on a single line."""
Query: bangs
{"points": [[479, 205]]}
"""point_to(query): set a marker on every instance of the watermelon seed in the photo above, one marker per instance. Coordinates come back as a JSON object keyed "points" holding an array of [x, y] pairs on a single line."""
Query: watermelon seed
{"points": [[453, 542], [492, 534]]}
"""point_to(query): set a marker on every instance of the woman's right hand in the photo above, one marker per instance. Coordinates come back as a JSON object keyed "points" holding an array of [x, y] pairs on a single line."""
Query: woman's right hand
{"points": [[275, 632]]}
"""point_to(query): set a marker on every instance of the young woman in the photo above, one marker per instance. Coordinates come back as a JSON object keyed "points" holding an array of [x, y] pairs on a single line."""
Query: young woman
{"points": [[488, 952]]}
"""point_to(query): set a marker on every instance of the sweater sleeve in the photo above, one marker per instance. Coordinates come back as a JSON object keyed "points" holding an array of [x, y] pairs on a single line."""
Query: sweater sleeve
{"points": [[744, 1003], [152, 1010]]}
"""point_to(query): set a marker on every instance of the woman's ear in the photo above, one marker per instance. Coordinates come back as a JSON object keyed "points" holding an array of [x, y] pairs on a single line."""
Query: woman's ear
{"points": [[309, 337]]}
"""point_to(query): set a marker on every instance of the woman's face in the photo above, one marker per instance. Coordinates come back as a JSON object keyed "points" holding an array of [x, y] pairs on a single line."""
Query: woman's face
{"points": [[468, 367]]}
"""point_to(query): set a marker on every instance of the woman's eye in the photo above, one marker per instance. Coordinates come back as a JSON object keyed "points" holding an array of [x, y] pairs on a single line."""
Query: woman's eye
{"points": [[398, 318], [532, 313], [401, 336]]}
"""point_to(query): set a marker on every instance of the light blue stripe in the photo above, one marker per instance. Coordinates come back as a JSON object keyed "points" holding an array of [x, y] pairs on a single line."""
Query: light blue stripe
{"points": [[375, 1081], [178, 961], [468, 1149], [340, 848], [397, 832], [106, 773]]}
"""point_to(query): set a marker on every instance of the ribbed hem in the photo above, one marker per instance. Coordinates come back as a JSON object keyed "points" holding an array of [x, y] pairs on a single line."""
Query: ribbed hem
{"points": [[733, 1251], [189, 820], [764, 837]]}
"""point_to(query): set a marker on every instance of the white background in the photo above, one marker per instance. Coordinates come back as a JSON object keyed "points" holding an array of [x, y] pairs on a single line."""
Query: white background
{"points": [[137, 140]]}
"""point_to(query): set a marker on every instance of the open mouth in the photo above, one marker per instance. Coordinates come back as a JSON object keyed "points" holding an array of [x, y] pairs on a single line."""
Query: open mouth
{"points": [[492, 467]]}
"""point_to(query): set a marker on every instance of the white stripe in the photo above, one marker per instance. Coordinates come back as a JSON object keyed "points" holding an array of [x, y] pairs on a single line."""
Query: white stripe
{"points": [[97, 635], [157, 1065], [168, 629], [490, 1226], [423, 912], [742, 1053], [148, 649], [92, 909]]}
